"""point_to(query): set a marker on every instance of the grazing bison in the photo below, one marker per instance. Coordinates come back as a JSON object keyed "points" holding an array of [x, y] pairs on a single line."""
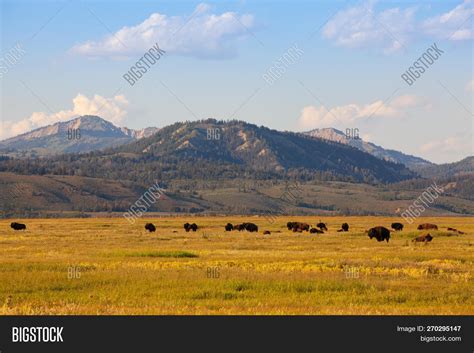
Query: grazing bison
{"points": [[18, 226], [397, 226], [322, 226], [298, 226], [423, 238], [229, 227], [344, 228], [189, 227], [150, 227], [315, 230], [267, 232], [427, 226], [251, 227], [379, 233], [239, 227]]}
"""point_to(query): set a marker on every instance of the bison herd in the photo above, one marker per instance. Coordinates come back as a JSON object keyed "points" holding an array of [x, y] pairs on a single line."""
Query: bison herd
{"points": [[380, 233]]}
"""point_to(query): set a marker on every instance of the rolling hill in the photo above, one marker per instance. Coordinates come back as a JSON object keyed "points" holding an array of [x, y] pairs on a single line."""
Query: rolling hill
{"points": [[75, 196], [461, 168]]}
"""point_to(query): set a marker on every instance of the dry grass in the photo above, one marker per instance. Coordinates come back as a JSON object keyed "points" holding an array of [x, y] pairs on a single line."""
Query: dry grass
{"points": [[106, 266]]}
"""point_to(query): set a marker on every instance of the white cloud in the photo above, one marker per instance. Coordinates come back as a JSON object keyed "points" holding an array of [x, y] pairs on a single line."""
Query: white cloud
{"points": [[318, 117], [201, 34], [362, 26], [452, 25], [112, 109]]}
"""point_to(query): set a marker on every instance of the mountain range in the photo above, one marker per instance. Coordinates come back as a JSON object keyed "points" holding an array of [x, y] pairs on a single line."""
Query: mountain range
{"points": [[218, 149], [215, 166], [91, 133]]}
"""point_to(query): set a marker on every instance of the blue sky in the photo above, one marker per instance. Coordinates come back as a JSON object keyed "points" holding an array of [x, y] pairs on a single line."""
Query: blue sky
{"points": [[345, 72]]}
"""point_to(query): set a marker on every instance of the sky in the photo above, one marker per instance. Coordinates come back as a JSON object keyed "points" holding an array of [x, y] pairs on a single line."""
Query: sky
{"points": [[287, 65]]}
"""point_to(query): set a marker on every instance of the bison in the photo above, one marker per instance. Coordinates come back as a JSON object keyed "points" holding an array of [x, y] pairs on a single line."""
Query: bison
{"points": [[322, 226], [344, 228], [251, 227], [229, 227], [298, 226], [150, 227], [425, 226], [267, 232], [18, 226], [188, 227], [423, 238], [315, 230], [239, 227], [397, 226], [380, 233]]}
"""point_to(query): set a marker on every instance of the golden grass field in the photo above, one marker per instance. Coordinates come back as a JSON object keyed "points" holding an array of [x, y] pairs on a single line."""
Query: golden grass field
{"points": [[106, 266]]}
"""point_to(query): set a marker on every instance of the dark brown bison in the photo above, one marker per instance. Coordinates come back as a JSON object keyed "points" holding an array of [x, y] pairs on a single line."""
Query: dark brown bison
{"points": [[380, 233], [189, 227], [267, 232], [150, 227], [397, 226], [298, 226], [315, 230], [250, 227], [427, 226], [423, 238], [322, 226], [229, 227], [344, 228], [18, 226], [239, 227]]}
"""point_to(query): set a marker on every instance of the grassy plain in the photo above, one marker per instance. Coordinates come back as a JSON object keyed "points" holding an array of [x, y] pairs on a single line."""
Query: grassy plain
{"points": [[107, 266]]}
